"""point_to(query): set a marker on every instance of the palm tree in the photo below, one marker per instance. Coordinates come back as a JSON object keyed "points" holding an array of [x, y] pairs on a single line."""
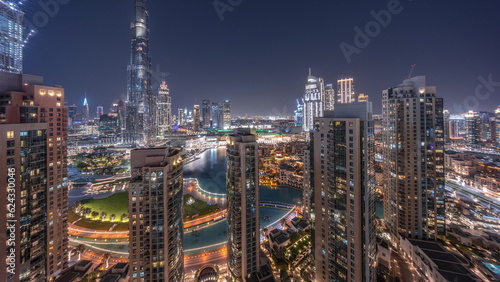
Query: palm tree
{"points": [[112, 217], [124, 217], [283, 222], [105, 258], [95, 214], [264, 231], [80, 249], [103, 215]]}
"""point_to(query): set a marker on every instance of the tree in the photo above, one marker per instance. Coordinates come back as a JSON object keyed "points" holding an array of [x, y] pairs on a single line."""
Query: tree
{"points": [[95, 214], [112, 217], [283, 222], [80, 249], [124, 217], [103, 215]]}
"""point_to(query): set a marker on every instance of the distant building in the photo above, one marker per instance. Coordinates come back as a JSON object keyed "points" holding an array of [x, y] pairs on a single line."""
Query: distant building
{"points": [[472, 128], [313, 101], [329, 104], [345, 91], [196, 118], [217, 116], [100, 111], [85, 110], [164, 109], [242, 181], [181, 117], [11, 32], [362, 98], [226, 109], [109, 125], [206, 114], [299, 114], [155, 215]]}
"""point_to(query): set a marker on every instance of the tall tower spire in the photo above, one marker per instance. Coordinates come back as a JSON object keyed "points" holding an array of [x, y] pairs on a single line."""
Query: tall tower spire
{"points": [[140, 114]]}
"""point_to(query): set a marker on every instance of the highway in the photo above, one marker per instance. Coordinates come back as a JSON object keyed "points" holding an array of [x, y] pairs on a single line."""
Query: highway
{"points": [[474, 192]]}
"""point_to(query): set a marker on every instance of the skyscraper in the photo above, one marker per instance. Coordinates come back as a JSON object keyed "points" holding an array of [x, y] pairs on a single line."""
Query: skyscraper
{"points": [[140, 109], [242, 181], [181, 117], [85, 109], [472, 128], [206, 114], [196, 118], [299, 114], [164, 109], [99, 112], [227, 114], [497, 124], [217, 116], [28, 103], [413, 152], [155, 215], [343, 216], [313, 101], [11, 32], [346, 92], [329, 103]]}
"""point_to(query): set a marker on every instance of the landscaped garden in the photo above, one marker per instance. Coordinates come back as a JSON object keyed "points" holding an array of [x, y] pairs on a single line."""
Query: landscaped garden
{"points": [[102, 214], [194, 207]]}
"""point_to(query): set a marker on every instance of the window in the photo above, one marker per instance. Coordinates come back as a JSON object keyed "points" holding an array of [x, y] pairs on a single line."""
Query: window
{"points": [[10, 134]]}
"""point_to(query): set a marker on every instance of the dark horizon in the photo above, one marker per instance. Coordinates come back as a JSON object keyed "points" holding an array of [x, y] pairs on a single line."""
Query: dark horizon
{"points": [[259, 54]]}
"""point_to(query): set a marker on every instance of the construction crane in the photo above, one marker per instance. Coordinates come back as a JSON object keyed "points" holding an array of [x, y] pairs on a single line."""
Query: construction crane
{"points": [[411, 70]]}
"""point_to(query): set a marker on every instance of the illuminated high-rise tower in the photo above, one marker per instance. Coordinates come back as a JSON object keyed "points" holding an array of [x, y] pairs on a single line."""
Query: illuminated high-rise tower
{"points": [[314, 99], [413, 153], [346, 92], [226, 112], [85, 113], [140, 118], [164, 108], [11, 32]]}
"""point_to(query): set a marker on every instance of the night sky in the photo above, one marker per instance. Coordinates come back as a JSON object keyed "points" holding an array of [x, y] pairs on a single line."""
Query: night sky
{"points": [[258, 56]]}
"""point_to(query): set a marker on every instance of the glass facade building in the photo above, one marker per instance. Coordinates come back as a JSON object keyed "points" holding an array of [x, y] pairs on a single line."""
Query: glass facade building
{"points": [[11, 34]]}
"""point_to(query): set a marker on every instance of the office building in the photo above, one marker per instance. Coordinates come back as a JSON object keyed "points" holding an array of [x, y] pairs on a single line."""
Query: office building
{"points": [[217, 116], [413, 152], [181, 117], [497, 125], [206, 114], [329, 103], [343, 214], [109, 125], [472, 128], [345, 91], [11, 32], [155, 215], [313, 101], [99, 112], [363, 98], [25, 100], [140, 109], [164, 109], [299, 114], [196, 118], [242, 181], [85, 110], [226, 111]]}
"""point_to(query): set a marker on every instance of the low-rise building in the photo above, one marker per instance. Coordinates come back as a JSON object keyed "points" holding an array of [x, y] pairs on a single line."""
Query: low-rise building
{"points": [[435, 263]]}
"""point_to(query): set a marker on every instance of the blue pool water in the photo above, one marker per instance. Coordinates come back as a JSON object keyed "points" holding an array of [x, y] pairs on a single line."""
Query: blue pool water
{"points": [[493, 268]]}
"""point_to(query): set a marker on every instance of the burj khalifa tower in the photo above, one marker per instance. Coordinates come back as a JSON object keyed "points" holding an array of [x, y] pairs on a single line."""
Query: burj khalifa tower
{"points": [[140, 125]]}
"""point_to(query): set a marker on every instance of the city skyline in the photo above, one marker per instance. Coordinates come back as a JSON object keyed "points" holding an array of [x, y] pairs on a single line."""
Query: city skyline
{"points": [[178, 55]]}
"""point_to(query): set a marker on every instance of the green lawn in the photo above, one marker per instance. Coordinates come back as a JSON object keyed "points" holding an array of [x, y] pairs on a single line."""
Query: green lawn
{"points": [[198, 207], [115, 204], [93, 224]]}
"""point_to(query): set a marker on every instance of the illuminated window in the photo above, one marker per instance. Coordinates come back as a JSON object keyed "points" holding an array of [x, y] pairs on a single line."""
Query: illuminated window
{"points": [[10, 134], [43, 92], [51, 92]]}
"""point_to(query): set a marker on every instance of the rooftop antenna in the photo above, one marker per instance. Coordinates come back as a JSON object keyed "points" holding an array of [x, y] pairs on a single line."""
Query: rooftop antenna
{"points": [[309, 71], [164, 77], [411, 70]]}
